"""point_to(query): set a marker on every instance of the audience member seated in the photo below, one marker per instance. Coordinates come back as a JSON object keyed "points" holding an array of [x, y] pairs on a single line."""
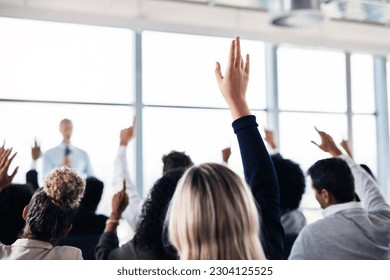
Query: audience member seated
{"points": [[147, 243], [13, 199], [291, 189], [48, 217], [349, 230], [213, 213], [87, 225], [171, 161]]}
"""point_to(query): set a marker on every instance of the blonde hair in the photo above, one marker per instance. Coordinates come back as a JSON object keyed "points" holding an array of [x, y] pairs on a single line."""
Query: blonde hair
{"points": [[213, 216]]}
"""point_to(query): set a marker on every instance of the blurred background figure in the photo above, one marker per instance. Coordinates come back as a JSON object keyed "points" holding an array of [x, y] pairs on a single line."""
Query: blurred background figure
{"points": [[67, 154]]}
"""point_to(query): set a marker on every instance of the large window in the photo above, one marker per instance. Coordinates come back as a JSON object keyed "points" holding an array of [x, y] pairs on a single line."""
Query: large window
{"points": [[363, 109], [181, 97], [84, 73]]}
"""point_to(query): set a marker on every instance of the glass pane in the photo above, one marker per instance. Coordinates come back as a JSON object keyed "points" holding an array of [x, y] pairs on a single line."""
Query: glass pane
{"points": [[363, 94], [178, 69], [96, 130], [296, 132], [364, 141], [43, 60], [201, 134], [311, 80]]}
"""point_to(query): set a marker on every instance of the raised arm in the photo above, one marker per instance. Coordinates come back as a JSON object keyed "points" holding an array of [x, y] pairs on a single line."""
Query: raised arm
{"points": [[121, 172], [258, 168], [365, 186], [5, 162]]}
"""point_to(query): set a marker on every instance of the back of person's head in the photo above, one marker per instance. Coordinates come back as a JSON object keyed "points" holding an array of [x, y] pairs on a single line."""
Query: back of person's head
{"points": [[53, 207], [92, 195], [291, 183], [13, 199], [334, 175], [175, 160], [150, 228], [213, 216]]}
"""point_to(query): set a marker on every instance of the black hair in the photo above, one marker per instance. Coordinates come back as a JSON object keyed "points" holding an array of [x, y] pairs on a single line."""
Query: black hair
{"points": [[92, 195], [291, 182], [334, 175], [150, 229], [175, 160], [13, 199]]}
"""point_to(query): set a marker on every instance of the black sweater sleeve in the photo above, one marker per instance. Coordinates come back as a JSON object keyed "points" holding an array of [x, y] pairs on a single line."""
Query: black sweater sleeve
{"points": [[261, 177]]}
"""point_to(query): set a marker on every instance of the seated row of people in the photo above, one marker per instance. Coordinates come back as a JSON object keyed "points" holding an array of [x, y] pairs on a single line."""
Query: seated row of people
{"points": [[207, 211]]}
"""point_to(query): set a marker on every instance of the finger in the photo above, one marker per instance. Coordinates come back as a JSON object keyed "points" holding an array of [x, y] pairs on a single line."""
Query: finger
{"points": [[242, 63], [315, 144], [3, 144], [10, 160], [232, 54], [237, 52], [247, 64], [14, 173], [35, 143], [218, 72], [124, 186], [4, 157]]}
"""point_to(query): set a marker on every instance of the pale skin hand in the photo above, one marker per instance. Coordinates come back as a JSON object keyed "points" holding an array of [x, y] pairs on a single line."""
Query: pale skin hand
{"points": [[119, 203], [128, 133], [345, 144], [270, 138], [327, 144], [234, 84], [36, 151], [5, 162], [226, 154]]}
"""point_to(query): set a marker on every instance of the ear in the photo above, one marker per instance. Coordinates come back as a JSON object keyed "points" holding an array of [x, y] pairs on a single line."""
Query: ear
{"points": [[67, 230], [326, 196], [25, 212]]}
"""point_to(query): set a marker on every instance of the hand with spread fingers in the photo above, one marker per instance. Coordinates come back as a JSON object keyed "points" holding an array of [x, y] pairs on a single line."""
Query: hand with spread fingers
{"points": [[327, 144], [235, 82], [5, 162]]}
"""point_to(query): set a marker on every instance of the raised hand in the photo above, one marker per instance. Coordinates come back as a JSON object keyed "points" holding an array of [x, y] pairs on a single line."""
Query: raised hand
{"points": [[128, 133], [327, 144], [226, 154], [345, 144], [119, 203], [270, 138], [36, 150], [5, 162], [235, 82]]}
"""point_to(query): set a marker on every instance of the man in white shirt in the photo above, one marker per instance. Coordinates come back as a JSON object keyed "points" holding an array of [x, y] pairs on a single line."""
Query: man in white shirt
{"points": [[349, 230], [66, 154]]}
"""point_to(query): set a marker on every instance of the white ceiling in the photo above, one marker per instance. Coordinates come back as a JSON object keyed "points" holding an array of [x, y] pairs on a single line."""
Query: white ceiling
{"points": [[197, 18]]}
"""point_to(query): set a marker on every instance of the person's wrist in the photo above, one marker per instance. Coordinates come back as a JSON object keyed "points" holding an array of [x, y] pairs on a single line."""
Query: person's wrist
{"points": [[115, 216]]}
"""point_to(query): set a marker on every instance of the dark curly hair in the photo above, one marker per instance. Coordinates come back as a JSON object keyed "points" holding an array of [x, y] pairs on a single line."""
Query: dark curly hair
{"points": [[150, 229]]}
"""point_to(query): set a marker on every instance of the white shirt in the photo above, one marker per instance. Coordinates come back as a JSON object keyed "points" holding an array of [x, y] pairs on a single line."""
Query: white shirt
{"points": [[121, 172], [30, 249], [79, 160]]}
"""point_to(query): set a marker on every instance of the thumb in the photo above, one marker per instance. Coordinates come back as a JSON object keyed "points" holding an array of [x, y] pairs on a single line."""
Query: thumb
{"points": [[315, 144], [218, 73]]}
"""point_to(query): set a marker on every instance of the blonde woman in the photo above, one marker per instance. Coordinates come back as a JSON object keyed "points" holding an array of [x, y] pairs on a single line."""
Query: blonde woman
{"points": [[213, 214]]}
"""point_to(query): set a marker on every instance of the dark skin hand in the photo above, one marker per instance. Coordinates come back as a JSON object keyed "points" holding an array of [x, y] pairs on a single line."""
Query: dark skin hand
{"points": [[5, 162]]}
